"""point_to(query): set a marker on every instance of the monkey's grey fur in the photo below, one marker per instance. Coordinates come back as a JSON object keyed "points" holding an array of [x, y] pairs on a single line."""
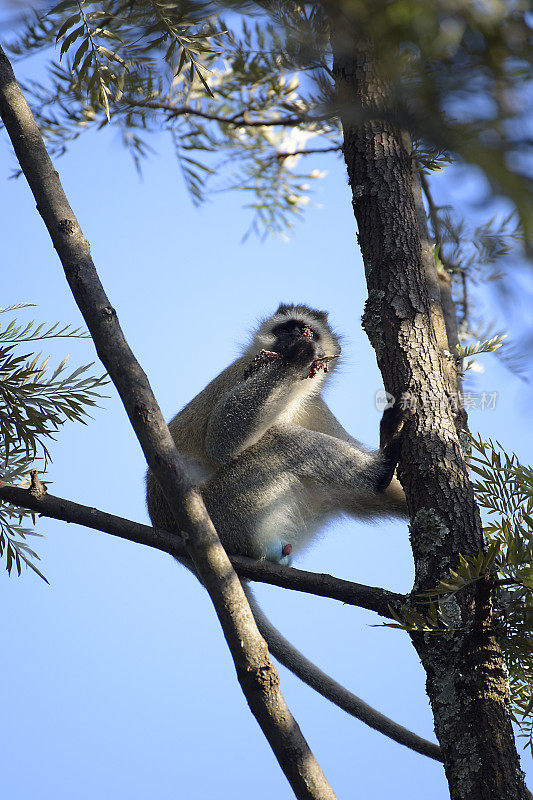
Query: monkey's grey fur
{"points": [[274, 464], [272, 460]]}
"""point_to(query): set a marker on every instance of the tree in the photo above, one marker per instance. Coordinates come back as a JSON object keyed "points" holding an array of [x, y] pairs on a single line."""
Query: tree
{"points": [[369, 319]]}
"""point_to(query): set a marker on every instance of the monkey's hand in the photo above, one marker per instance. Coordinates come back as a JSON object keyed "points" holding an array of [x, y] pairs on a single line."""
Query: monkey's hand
{"points": [[390, 438], [263, 358], [303, 355], [321, 364]]}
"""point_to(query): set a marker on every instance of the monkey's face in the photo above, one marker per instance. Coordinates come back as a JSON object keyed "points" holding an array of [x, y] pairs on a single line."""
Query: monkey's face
{"points": [[288, 333], [298, 327]]}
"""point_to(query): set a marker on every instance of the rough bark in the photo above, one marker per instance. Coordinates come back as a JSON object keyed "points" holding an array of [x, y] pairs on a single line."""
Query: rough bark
{"points": [[257, 675], [466, 674]]}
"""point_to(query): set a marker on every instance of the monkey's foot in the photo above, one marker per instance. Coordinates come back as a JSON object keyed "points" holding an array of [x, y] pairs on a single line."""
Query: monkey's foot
{"points": [[392, 423], [391, 437], [261, 360], [321, 364]]}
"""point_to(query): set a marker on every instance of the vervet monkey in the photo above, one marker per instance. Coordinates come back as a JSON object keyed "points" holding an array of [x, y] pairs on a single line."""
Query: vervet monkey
{"points": [[272, 461], [274, 464]]}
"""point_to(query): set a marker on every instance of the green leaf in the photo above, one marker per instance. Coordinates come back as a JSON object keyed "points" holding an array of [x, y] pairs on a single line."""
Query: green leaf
{"points": [[79, 55], [66, 25], [71, 38]]}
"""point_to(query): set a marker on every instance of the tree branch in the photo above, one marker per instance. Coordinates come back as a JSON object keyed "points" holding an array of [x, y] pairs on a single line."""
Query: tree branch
{"points": [[445, 290], [240, 120], [379, 600], [309, 152], [355, 594], [435, 222], [256, 673]]}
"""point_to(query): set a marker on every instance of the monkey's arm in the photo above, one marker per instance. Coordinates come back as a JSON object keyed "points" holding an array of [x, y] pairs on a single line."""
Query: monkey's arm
{"points": [[244, 414]]}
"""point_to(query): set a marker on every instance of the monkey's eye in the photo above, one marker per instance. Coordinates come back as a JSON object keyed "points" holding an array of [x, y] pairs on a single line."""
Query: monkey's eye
{"points": [[295, 328]]}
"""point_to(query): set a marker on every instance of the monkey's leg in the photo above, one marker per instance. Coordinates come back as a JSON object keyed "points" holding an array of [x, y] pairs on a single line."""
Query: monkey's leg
{"points": [[333, 463]]}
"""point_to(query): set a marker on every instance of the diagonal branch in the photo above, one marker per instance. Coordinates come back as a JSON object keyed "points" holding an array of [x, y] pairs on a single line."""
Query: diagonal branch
{"points": [[256, 673], [449, 267], [355, 594]]}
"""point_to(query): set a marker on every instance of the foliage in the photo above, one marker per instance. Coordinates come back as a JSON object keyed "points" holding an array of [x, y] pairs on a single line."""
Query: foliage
{"points": [[11, 517], [477, 348], [245, 104], [457, 73], [33, 405], [473, 257], [410, 619], [153, 66], [505, 490]]}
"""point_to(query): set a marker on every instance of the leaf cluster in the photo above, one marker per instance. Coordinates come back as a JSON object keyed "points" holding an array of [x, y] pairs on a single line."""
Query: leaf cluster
{"points": [[456, 74], [174, 66], [34, 404], [504, 489], [13, 533], [413, 621], [477, 348], [469, 570]]}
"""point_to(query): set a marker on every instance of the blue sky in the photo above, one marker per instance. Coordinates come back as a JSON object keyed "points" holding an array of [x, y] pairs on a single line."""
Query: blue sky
{"points": [[117, 681]]}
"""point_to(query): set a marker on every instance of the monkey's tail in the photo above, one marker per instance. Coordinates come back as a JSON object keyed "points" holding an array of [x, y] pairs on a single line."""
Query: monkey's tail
{"points": [[310, 674]]}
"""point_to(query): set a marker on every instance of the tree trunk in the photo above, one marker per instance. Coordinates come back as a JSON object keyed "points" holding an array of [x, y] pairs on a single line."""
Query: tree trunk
{"points": [[466, 674]]}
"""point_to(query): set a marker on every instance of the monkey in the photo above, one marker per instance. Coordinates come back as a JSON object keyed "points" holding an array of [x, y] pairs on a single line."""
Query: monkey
{"points": [[272, 461], [274, 465]]}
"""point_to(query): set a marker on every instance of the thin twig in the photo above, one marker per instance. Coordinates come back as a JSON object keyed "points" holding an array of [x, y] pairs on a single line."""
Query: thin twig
{"points": [[435, 222], [447, 264], [238, 120], [309, 151]]}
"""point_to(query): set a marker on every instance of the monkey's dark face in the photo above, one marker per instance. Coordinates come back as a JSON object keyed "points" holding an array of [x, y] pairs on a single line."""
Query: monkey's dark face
{"points": [[297, 328], [288, 333]]}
